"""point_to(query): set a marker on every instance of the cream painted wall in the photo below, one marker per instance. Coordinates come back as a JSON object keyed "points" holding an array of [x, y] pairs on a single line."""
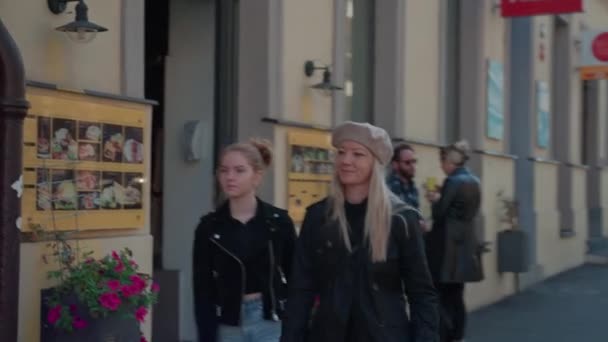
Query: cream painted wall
{"points": [[49, 55], [495, 286], [604, 198], [428, 166], [596, 12], [307, 35], [495, 46], [33, 278], [557, 254], [422, 49], [547, 214]]}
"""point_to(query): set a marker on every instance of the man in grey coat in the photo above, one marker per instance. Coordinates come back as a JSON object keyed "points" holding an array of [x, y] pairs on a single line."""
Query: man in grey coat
{"points": [[452, 247]]}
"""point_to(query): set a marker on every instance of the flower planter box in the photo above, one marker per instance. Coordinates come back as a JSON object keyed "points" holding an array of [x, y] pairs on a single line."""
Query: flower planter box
{"points": [[109, 329]]}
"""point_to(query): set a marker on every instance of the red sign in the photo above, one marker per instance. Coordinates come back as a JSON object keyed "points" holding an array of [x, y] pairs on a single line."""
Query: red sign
{"points": [[522, 8], [599, 47]]}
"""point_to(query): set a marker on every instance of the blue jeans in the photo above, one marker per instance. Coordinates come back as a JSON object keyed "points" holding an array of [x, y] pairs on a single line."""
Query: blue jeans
{"points": [[254, 327]]}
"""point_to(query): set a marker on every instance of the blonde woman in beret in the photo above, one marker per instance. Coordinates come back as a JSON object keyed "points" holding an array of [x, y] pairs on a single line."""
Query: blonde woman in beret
{"points": [[361, 251]]}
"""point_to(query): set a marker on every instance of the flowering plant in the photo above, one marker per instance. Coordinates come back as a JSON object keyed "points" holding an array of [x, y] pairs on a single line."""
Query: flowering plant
{"points": [[108, 286]]}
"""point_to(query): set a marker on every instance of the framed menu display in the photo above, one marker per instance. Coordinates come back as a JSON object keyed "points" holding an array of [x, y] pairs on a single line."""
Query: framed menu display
{"points": [[86, 161], [310, 170]]}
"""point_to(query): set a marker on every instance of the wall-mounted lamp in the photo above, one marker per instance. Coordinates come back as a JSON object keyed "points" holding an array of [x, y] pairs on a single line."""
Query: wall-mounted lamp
{"points": [[80, 30], [326, 86]]}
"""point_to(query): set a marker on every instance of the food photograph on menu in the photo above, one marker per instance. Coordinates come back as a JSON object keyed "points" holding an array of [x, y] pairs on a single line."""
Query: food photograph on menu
{"points": [[89, 131], [133, 191], [64, 145], [65, 196], [112, 190], [44, 191], [113, 141], [43, 143], [133, 150]]}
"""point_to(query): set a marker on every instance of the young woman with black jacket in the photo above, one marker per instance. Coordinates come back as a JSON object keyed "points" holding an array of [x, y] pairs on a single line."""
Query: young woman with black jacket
{"points": [[242, 255]]}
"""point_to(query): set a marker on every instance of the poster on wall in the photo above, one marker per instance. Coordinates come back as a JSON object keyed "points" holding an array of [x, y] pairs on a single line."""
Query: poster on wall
{"points": [[310, 169], [594, 55], [85, 167], [495, 100], [543, 120]]}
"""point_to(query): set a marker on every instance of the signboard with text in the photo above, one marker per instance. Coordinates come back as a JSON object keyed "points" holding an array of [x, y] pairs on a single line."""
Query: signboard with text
{"points": [[523, 8], [594, 55]]}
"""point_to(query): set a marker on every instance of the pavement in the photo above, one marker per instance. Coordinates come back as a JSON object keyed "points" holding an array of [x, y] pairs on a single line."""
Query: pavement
{"points": [[572, 306]]}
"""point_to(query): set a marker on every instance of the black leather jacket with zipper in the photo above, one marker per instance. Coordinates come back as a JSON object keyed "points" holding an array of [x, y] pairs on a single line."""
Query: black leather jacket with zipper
{"points": [[219, 275]]}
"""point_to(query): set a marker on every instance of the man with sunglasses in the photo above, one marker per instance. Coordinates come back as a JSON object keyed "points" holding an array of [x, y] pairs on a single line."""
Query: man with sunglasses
{"points": [[401, 179]]}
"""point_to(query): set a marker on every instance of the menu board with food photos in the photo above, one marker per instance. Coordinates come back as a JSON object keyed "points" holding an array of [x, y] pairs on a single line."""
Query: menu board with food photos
{"points": [[85, 162], [311, 168]]}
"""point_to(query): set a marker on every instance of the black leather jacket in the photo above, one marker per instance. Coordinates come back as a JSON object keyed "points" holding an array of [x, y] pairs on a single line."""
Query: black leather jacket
{"points": [[219, 275], [452, 245], [321, 267]]}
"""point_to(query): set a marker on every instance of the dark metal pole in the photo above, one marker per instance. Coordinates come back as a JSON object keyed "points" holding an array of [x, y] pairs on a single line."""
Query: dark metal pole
{"points": [[13, 108]]}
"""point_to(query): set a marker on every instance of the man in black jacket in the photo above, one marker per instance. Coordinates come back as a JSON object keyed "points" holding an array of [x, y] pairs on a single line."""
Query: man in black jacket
{"points": [[452, 245]]}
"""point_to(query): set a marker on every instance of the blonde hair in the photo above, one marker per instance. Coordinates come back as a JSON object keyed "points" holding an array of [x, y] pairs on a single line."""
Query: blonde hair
{"points": [[456, 153], [258, 152], [381, 204]]}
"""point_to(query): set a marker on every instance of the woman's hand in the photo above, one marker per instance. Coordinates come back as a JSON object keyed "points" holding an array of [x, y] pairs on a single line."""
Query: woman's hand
{"points": [[433, 196]]}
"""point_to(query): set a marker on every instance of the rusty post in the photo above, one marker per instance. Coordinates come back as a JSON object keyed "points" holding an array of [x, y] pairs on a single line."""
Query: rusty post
{"points": [[13, 108]]}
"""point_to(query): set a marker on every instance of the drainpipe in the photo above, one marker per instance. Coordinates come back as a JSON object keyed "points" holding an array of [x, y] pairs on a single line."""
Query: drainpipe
{"points": [[13, 108]]}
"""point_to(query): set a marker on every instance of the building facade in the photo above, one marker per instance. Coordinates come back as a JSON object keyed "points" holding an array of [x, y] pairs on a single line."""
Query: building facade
{"points": [[430, 72]]}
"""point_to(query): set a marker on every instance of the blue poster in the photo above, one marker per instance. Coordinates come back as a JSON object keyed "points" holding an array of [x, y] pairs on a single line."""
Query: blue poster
{"points": [[495, 100], [543, 122]]}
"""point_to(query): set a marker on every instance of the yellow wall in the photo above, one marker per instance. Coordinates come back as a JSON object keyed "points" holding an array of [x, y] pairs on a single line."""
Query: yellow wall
{"points": [[421, 77], [49, 55], [307, 35], [604, 199], [495, 286], [556, 254]]}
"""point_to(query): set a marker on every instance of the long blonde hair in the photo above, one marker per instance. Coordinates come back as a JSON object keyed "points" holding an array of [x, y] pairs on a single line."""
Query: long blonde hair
{"points": [[381, 204]]}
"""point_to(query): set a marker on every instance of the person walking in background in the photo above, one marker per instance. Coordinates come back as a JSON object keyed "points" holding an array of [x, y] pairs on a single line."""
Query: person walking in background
{"points": [[452, 246], [242, 254], [401, 178], [361, 250]]}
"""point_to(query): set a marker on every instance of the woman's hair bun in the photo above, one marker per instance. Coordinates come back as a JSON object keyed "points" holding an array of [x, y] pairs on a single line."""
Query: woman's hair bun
{"points": [[263, 146]]}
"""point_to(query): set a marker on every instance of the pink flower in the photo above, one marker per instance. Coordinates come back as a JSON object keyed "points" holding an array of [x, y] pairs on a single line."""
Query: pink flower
{"points": [[133, 263], [79, 323], [115, 256], [143, 339], [113, 284], [138, 283], [90, 260], [120, 267], [54, 314], [140, 314], [110, 301], [155, 287], [73, 308]]}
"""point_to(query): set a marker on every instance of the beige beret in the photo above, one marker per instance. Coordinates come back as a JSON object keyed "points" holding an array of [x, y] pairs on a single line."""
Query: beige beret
{"points": [[374, 138]]}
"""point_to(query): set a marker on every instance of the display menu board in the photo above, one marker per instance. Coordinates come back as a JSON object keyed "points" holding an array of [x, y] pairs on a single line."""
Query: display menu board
{"points": [[310, 170], [85, 162]]}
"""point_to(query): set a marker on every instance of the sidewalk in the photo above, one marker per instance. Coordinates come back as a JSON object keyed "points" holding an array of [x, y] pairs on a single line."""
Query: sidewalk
{"points": [[572, 306]]}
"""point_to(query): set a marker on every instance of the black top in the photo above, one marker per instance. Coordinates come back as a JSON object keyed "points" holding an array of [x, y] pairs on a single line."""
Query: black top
{"points": [[355, 216], [358, 329], [252, 246]]}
